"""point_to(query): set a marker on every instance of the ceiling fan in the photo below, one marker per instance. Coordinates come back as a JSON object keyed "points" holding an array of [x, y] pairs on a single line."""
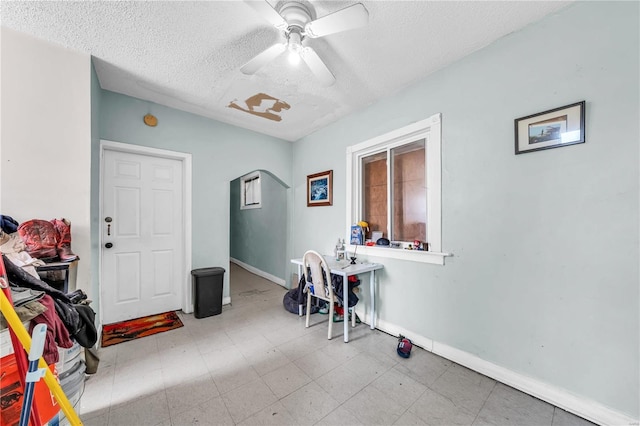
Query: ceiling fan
{"points": [[296, 20]]}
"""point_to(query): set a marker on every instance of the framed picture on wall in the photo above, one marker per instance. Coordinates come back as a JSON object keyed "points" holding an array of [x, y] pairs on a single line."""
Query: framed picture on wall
{"points": [[320, 189], [550, 129]]}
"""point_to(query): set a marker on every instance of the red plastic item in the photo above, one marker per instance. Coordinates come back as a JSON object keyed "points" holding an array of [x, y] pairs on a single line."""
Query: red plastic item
{"points": [[11, 395], [18, 362]]}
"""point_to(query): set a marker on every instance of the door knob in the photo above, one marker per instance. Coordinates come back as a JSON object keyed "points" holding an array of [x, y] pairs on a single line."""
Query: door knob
{"points": [[108, 245]]}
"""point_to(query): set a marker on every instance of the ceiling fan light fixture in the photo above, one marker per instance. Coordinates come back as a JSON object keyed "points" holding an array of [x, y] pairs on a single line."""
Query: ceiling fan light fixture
{"points": [[294, 46], [297, 20], [294, 58]]}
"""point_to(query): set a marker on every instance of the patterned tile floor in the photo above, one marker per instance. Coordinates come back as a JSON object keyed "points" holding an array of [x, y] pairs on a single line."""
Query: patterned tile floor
{"points": [[257, 364]]}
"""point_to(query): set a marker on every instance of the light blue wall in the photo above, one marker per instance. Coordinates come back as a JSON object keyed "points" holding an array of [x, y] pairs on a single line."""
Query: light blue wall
{"points": [[220, 152], [258, 237], [544, 278]]}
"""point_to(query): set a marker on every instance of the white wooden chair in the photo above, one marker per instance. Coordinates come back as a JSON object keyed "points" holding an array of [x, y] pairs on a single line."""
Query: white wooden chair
{"points": [[318, 285]]}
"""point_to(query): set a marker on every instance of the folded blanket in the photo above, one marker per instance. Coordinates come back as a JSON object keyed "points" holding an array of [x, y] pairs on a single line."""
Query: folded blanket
{"points": [[21, 295]]}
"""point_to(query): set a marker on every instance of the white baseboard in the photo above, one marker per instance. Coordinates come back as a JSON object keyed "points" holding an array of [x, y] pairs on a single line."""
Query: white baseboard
{"points": [[259, 273], [580, 406], [226, 300]]}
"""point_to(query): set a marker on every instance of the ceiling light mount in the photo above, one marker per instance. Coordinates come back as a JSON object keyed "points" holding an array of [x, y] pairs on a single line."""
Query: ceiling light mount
{"points": [[297, 20], [297, 15]]}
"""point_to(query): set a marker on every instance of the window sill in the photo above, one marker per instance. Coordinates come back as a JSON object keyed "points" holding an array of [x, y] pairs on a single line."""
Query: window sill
{"points": [[251, 206], [421, 256]]}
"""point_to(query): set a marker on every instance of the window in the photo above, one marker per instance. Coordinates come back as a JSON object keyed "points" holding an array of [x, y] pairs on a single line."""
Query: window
{"points": [[251, 194], [402, 180], [394, 184]]}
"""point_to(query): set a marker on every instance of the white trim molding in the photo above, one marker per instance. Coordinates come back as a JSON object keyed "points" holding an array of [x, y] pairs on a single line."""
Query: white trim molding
{"points": [[562, 398], [580, 406], [433, 257], [258, 272]]}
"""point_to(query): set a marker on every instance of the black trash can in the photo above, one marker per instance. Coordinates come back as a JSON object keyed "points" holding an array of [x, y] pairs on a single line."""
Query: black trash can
{"points": [[207, 288]]}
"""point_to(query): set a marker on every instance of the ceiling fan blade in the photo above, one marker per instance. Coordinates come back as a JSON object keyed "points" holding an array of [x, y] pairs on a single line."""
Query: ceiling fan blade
{"points": [[263, 58], [269, 13], [355, 16], [317, 66]]}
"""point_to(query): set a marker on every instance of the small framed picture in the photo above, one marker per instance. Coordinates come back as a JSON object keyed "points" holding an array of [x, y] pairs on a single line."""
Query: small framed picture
{"points": [[550, 129], [357, 235], [320, 189]]}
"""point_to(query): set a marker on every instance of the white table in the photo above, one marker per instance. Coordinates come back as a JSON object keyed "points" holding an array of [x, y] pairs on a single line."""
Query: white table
{"points": [[345, 269]]}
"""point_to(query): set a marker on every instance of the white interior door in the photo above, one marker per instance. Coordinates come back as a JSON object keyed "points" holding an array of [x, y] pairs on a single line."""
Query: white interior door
{"points": [[142, 241]]}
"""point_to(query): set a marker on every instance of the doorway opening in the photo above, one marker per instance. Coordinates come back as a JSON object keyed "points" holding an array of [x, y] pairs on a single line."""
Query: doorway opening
{"points": [[259, 234]]}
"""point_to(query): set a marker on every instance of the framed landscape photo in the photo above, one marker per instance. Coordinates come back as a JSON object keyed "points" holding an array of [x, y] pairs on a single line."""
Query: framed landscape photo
{"points": [[550, 129], [320, 189]]}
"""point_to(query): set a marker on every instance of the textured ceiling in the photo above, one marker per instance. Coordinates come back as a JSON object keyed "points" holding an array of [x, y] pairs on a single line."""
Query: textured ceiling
{"points": [[187, 55]]}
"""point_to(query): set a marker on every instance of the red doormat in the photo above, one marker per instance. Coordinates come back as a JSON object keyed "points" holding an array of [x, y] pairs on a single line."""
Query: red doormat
{"points": [[112, 334]]}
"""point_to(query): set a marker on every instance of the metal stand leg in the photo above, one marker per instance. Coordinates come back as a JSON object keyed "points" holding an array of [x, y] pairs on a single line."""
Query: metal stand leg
{"points": [[372, 291], [345, 306], [299, 275]]}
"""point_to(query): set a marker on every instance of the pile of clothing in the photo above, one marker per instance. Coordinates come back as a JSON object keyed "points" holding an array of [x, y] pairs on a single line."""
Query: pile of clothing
{"points": [[297, 296], [67, 316]]}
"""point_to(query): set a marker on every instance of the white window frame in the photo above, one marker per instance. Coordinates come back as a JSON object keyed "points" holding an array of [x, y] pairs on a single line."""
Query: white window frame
{"points": [[429, 130], [243, 188]]}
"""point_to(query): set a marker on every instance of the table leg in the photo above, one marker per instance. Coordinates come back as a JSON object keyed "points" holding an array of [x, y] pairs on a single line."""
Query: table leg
{"points": [[345, 307], [299, 275], [372, 290]]}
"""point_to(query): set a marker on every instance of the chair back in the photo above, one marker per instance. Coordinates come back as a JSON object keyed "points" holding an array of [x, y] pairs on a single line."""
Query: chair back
{"points": [[318, 284]]}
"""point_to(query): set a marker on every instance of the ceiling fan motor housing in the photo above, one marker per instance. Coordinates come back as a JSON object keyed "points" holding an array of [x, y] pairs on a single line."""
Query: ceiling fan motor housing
{"points": [[297, 16]]}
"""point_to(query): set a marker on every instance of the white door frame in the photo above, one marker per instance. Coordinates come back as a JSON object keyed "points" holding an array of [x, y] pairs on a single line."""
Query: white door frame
{"points": [[185, 158]]}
